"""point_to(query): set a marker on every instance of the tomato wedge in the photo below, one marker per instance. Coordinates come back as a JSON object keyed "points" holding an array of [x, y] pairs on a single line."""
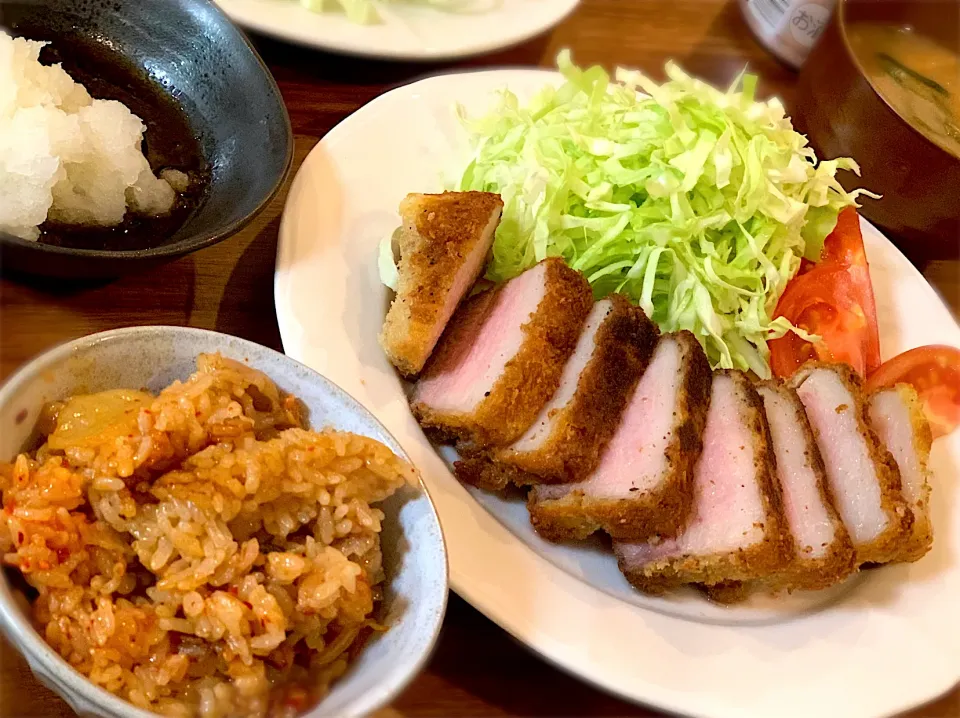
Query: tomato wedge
{"points": [[934, 371], [834, 300], [844, 245], [827, 303]]}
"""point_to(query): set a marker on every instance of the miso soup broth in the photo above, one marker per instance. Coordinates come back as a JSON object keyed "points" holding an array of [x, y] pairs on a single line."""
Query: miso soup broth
{"points": [[915, 75]]}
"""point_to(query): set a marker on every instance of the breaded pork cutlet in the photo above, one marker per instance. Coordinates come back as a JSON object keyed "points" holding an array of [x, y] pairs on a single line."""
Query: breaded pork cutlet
{"points": [[643, 484], [736, 529], [896, 416], [862, 475], [501, 358], [567, 437], [444, 242], [820, 551]]}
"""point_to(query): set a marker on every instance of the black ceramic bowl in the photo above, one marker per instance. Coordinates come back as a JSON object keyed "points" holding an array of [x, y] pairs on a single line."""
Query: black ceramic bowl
{"points": [[185, 55]]}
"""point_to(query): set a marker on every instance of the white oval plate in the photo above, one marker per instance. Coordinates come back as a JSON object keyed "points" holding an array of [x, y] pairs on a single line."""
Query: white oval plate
{"points": [[878, 645], [407, 32]]}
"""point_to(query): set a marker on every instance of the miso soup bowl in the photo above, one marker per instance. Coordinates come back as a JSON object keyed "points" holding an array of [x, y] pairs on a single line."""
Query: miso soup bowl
{"points": [[414, 556], [843, 116]]}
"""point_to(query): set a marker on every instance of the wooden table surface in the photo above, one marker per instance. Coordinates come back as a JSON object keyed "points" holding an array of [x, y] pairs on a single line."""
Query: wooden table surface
{"points": [[478, 670]]}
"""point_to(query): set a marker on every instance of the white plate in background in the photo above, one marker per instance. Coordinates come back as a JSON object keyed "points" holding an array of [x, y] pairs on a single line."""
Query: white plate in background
{"points": [[407, 31], [880, 644]]}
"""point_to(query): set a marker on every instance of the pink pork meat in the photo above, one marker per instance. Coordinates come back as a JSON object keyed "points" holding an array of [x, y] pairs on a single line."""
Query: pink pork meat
{"points": [[821, 550], [861, 474], [896, 416], [566, 439], [736, 530], [501, 358], [643, 485]]}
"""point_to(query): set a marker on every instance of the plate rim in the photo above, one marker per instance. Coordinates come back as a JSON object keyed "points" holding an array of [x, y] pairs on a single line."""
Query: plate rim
{"points": [[652, 693], [257, 24]]}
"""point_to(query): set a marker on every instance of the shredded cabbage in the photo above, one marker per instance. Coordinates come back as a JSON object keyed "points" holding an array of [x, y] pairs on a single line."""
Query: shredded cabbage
{"points": [[696, 203], [364, 12]]}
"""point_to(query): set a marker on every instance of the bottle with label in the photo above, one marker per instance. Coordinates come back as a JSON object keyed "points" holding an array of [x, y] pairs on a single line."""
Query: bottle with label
{"points": [[788, 28]]}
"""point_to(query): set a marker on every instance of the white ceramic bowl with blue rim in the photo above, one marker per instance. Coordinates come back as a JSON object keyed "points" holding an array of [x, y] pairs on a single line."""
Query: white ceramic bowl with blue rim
{"points": [[414, 555]]}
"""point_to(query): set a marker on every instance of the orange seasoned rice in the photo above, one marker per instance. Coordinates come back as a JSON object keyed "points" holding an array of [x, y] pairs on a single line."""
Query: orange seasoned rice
{"points": [[200, 553]]}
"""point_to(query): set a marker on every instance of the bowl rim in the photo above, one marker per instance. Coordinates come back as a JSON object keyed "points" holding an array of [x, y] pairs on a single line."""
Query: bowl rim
{"points": [[842, 29], [27, 641], [207, 239]]}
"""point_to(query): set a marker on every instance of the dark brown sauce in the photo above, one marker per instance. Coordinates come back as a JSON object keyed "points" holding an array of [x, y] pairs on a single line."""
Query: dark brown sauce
{"points": [[169, 142]]}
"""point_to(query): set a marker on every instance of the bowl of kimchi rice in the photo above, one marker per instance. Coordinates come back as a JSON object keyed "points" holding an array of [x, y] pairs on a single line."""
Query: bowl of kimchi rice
{"points": [[195, 525]]}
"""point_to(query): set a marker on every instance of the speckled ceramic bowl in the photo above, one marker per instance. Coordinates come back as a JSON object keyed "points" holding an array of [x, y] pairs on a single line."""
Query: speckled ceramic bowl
{"points": [[413, 549]]}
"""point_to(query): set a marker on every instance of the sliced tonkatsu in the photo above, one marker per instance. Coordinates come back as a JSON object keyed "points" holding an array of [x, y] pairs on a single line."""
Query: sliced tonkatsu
{"points": [[444, 243], [566, 439], [821, 551], [699, 477], [862, 475], [736, 529], [643, 484], [501, 358], [898, 420]]}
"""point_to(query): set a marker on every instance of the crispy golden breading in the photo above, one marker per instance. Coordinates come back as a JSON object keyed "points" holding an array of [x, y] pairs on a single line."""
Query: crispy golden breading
{"points": [[919, 538], [624, 345], [767, 556], [575, 517], [476, 468], [529, 378], [573, 514], [887, 546], [580, 430], [921, 535], [444, 243], [801, 572]]}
